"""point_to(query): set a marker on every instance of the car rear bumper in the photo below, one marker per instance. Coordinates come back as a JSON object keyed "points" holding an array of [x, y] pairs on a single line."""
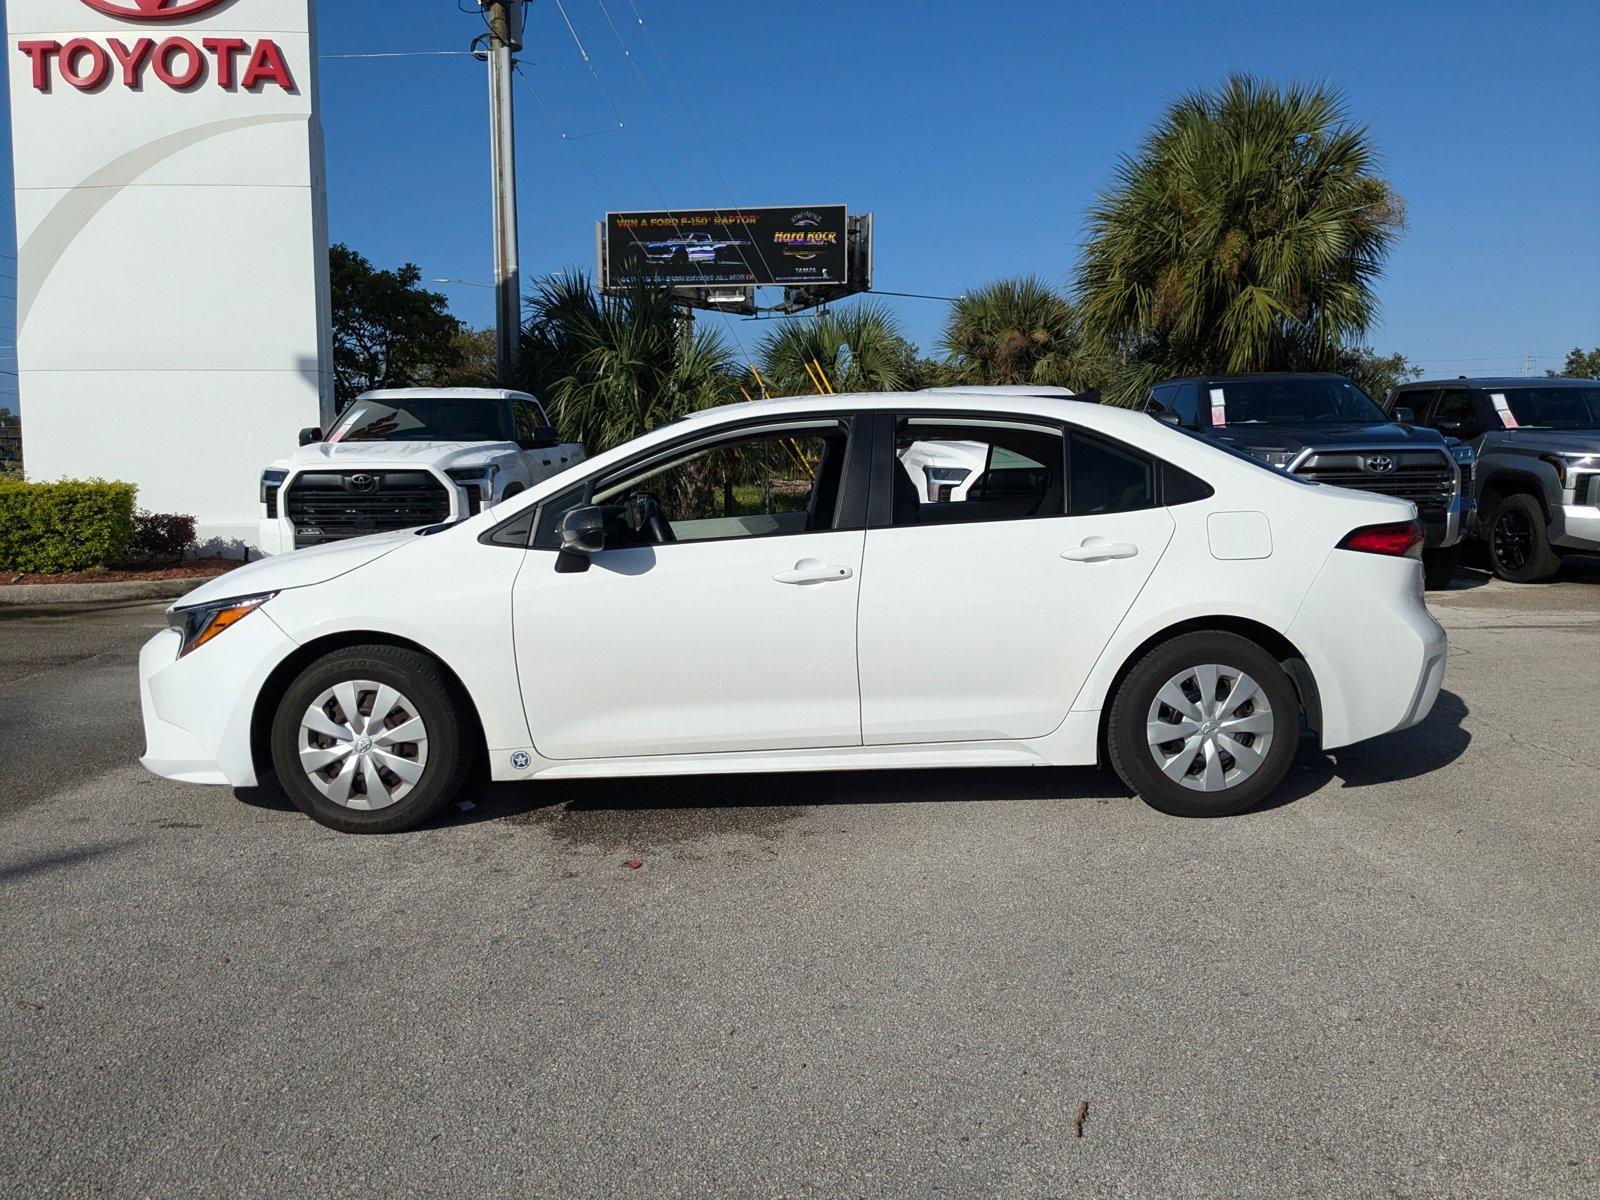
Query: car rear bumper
{"points": [[198, 709], [1377, 671]]}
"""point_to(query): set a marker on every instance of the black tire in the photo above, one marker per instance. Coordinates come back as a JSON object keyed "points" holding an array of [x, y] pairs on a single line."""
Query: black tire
{"points": [[1133, 758], [1519, 541], [421, 681], [1439, 567]]}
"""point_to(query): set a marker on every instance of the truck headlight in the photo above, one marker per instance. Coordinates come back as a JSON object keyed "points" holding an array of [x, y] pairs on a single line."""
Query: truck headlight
{"points": [[1465, 455], [479, 485], [1275, 458], [198, 625], [271, 484]]}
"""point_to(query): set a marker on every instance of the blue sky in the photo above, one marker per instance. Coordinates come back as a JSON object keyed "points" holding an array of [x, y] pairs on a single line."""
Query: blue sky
{"points": [[978, 132]]}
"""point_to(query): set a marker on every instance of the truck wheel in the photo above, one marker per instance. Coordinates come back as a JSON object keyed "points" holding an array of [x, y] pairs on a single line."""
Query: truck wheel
{"points": [[1205, 725], [1439, 567], [1519, 541], [371, 740]]}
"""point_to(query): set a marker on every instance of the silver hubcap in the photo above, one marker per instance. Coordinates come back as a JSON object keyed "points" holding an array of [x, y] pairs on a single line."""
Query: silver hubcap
{"points": [[363, 745], [1210, 728]]}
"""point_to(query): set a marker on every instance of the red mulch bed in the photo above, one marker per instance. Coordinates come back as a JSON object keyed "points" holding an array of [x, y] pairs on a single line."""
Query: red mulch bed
{"points": [[200, 568]]}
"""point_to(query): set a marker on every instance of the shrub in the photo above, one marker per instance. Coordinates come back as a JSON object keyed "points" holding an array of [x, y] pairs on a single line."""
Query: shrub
{"points": [[160, 539], [74, 525]]}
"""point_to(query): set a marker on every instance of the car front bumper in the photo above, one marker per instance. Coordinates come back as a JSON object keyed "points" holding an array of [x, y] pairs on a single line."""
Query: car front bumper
{"points": [[1442, 532], [1575, 526], [198, 709]]}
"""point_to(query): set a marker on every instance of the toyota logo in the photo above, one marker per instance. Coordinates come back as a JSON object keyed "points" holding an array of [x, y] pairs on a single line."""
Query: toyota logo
{"points": [[361, 484], [153, 10], [1379, 464]]}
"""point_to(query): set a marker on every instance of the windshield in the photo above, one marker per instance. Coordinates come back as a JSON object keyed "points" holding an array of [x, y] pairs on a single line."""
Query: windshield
{"points": [[439, 419], [1555, 408], [1295, 402]]}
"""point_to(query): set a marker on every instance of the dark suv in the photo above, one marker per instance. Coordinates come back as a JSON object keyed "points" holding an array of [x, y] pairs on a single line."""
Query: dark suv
{"points": [[1324, 428], [1537, 470]]}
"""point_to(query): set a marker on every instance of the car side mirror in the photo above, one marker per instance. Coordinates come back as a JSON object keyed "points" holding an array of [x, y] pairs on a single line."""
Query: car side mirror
{"points": [[541, 437], [311, 436], [1405, 416], [1167, 417], [585, 531]]}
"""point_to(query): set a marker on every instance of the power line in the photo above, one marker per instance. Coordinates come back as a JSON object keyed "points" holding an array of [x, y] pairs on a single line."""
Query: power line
{"points": [[633, 146], [405, 54], [678, 145]]}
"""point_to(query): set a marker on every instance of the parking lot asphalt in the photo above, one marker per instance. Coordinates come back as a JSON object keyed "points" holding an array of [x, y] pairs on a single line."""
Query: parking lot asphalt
{"points": [[1007, 983]]}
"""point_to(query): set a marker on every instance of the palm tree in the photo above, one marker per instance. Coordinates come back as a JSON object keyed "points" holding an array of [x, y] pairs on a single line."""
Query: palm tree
{"points": [[1020, 331], [1246, 235], [610, 368], [859, 348]]}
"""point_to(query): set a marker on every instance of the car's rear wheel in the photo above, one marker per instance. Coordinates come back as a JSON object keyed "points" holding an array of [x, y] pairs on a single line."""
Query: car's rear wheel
{"points": [[1519, 542], [370, 740], [1205, 725]]}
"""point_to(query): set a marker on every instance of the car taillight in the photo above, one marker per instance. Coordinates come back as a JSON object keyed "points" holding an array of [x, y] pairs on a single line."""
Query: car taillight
{"points": [[1403, 539]]}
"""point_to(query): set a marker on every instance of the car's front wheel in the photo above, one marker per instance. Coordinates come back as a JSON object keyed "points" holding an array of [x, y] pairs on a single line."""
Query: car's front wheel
{"points": [[1205, 725], [370, 739], [1519, 541]]}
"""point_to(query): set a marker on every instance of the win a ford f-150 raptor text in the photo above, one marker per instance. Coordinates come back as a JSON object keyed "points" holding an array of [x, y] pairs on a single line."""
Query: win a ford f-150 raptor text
{"points": [[409, 457], [1324, 429]]}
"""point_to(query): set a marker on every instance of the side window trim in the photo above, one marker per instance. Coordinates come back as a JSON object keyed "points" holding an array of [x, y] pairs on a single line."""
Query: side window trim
{"points": [[849, 512], [885, 459]]}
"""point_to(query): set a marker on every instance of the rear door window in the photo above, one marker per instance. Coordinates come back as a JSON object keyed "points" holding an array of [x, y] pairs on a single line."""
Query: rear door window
{"points": [[1104, 477]]}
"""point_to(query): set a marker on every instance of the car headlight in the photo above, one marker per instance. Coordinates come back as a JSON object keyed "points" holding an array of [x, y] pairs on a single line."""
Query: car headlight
{"points": [[479, 485], [271, 483], [198, 625], [1275, 458]]}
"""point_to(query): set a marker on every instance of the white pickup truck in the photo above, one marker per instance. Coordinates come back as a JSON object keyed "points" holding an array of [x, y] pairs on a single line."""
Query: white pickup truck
{"points": [[407, 457]]}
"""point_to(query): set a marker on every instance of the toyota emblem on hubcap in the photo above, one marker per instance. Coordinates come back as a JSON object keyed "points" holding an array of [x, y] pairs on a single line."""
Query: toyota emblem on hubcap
{"points": [[1379, 464]]}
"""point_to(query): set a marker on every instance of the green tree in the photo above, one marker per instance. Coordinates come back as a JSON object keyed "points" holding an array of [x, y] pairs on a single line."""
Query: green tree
{"points": [[859, 347], [610, 368], [1021, 331], [1245, 235], [1580, 364], [1375, 373], [477, 360], [387, 330]]}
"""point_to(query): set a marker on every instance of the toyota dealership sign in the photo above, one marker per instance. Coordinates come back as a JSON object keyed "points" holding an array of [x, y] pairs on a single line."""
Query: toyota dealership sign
{"points": [[177, 62], [169, 151]]}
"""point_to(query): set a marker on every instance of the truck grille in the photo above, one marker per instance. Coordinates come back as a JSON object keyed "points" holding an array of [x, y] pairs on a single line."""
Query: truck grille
{"points": [[1425, 478], [329, 506]]}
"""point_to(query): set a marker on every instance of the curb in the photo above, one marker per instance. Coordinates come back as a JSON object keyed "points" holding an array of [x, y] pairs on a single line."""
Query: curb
{"points": [[29, 594]]}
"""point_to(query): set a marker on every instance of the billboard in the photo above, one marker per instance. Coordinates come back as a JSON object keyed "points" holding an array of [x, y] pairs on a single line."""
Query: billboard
{"points": [[788, 247]]}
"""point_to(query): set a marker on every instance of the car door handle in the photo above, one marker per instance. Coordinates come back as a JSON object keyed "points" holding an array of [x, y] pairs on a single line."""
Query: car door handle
{"points": [[1100, 550], [811, 571]]}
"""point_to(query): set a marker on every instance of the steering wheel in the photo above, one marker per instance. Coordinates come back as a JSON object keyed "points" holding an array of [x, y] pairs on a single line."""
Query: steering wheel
{"points": [[644, 514]]}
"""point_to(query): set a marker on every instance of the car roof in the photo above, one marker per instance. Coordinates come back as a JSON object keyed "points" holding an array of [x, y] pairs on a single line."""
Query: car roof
{"points": [[1022, 402], [1000, 389], [1503, 382], [446, 393], [1249, 377]]}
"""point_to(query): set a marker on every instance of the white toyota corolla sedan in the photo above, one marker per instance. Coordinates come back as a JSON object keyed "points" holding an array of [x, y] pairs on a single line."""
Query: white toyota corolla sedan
{"points": [[765, 588]]}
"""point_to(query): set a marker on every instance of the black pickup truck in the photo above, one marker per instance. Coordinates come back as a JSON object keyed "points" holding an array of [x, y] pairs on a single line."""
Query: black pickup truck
{"points": [[1324, 428]]}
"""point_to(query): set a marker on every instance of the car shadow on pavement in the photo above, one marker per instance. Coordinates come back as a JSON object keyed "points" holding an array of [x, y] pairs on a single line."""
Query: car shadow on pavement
{"points": [[1393, 758], [765, 797]]}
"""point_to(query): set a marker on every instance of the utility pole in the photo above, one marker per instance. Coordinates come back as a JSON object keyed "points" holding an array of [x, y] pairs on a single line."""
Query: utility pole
{"points": [[505, 38]]}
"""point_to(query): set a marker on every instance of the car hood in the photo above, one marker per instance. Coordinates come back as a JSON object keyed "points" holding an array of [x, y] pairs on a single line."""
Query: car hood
{"points": [[343, 455], [1565, 441], [1298, 437], [299, 568]]}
